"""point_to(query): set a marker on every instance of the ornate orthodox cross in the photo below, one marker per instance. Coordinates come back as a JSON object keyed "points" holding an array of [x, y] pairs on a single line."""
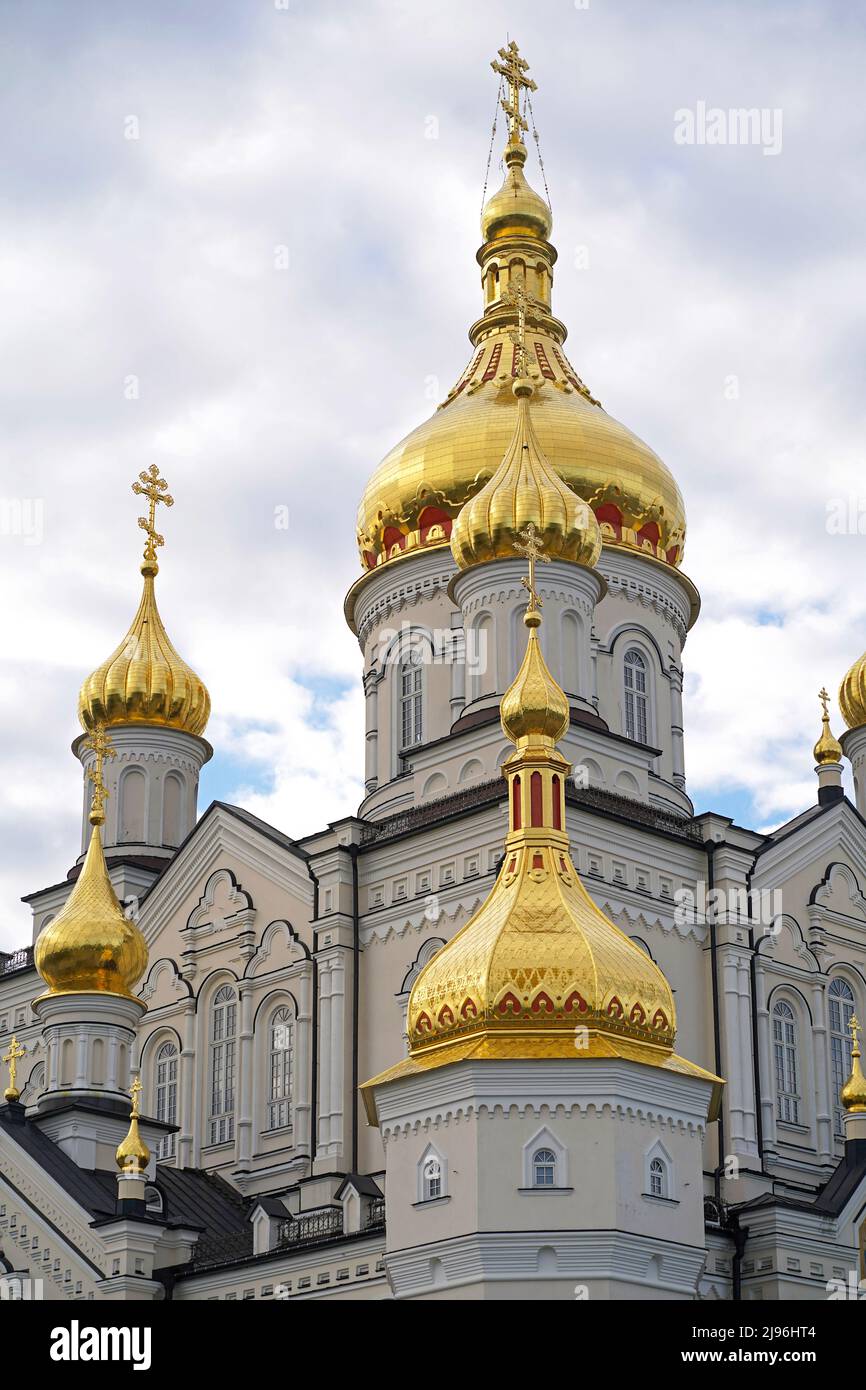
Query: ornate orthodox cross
{"points": [[102, 747], [518, 295], [514, 68], [135, 1091], [854, 1026], [825, 699], [531, 546], [155, 489], [11, 1059]]}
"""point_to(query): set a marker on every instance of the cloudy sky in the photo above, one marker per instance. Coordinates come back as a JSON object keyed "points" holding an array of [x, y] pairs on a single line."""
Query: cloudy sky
{"points": [[228, 245]]}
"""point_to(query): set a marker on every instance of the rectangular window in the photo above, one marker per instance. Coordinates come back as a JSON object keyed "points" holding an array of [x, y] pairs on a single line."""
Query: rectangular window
{"points": [[411, 698]]}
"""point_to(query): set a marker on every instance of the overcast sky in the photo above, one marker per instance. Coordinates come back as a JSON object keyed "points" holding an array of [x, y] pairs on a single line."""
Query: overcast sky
{"points": [[714, 296]]}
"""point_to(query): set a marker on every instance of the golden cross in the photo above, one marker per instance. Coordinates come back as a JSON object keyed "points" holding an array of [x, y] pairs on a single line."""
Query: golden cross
{"points": [[824, 698], [531, 546], [513, 68], [154, 488], [11, 1058], [854, 1026], [518, 295], [98, 740], [135, 1091]]}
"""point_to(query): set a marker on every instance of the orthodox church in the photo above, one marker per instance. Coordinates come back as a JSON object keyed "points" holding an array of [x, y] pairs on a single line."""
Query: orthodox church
{"points": [[525, 1026]]}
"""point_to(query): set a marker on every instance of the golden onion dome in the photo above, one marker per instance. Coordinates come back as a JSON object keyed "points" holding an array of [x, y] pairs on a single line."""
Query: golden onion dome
{"points": [[828, 749], [534, 708], [417, 491], [145, 681], [90, 946], [132, 1154], [852, 695], [516, 206], [525, 491], [853, 1093]]}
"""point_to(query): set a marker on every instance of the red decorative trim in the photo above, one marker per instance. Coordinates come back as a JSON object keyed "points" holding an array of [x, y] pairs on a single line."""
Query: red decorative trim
{"points": [[542, 1001], [536, 815], [637, 1014], [446, 1016], [470, 372], [575, 999], [660, 1019], [433, 516], [538, 861], [424, 1024], [493, 365], [614, 1008], [468, 1009], [543, 363], [509, 1004]]}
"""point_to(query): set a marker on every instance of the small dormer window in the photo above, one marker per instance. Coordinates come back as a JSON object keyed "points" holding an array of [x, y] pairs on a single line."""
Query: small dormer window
{"points": [[544, 1168]]}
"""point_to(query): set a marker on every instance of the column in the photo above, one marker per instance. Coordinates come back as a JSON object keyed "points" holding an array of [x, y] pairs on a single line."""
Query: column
{"points": [[371, 764], [459, 656], [245, 1075], [677, 748]]}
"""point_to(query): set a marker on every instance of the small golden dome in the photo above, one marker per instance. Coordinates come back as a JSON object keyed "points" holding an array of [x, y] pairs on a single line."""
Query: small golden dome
{"points": [[828, 749], [132, 1154], [516, 208], [145, 681], [534, 709], [853, 1093], [852, 695], [525, 491], [90, 947]]}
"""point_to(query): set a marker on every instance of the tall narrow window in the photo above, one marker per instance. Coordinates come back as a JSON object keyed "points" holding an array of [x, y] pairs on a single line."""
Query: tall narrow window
{"points": [[785, 1043], [166, 1096], [221, 1127], [515, 803], [280, 1070], [557, 803], [411, 700], [536, 810], [635, 684], [544, 1168], [841, 1013]]}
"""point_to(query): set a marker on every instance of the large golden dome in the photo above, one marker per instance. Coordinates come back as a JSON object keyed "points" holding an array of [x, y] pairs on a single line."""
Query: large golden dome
{"points": [[416, 492]]}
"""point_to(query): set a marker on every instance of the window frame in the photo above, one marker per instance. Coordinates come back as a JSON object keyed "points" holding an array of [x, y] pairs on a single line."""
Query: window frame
{"points": [[787, 1069], [222, 1058], [636, 708], [279, 1108]]}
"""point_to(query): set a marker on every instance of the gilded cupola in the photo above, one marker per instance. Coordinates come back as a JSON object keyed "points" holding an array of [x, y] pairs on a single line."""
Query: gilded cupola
{"points": [[133, 1155], [90, 946], [414, 496], [853, 1094], [525, 491], [828, 749], [145, 681]]}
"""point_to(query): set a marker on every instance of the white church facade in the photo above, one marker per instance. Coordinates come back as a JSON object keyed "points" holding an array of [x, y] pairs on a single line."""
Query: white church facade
{"points": [[305, 1132]]}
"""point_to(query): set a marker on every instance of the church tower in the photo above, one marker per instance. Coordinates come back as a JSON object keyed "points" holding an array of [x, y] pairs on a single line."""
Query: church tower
{"points": [[157, 709], [541, 1135], [439, 651]]}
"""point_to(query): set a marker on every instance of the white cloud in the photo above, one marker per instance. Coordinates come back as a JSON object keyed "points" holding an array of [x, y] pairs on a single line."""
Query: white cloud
{"points": [[261, 387]]}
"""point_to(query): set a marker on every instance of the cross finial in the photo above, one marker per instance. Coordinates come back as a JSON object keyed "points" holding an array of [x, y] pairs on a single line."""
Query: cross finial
{"points": [[135, 1091], [854, 1026], [518, 295], [99, 742], [11, 1059], [513, 68], [531, 546], [825, 700], [155, 489]]}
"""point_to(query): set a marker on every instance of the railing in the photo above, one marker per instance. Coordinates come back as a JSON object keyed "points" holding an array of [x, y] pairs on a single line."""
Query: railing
{"points": [[316, 1225], [376, 1214], [16, 960]]}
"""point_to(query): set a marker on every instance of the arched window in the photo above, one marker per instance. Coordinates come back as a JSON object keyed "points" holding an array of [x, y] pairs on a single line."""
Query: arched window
{"points": [[132, 799], [544, 1168], [635, 685], [431, 1177], [223, 1027], [411, 699], [658, 1178], [841, 1013], [785, 1045], [165, 1087], [172, 809], [280, 1070]]}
